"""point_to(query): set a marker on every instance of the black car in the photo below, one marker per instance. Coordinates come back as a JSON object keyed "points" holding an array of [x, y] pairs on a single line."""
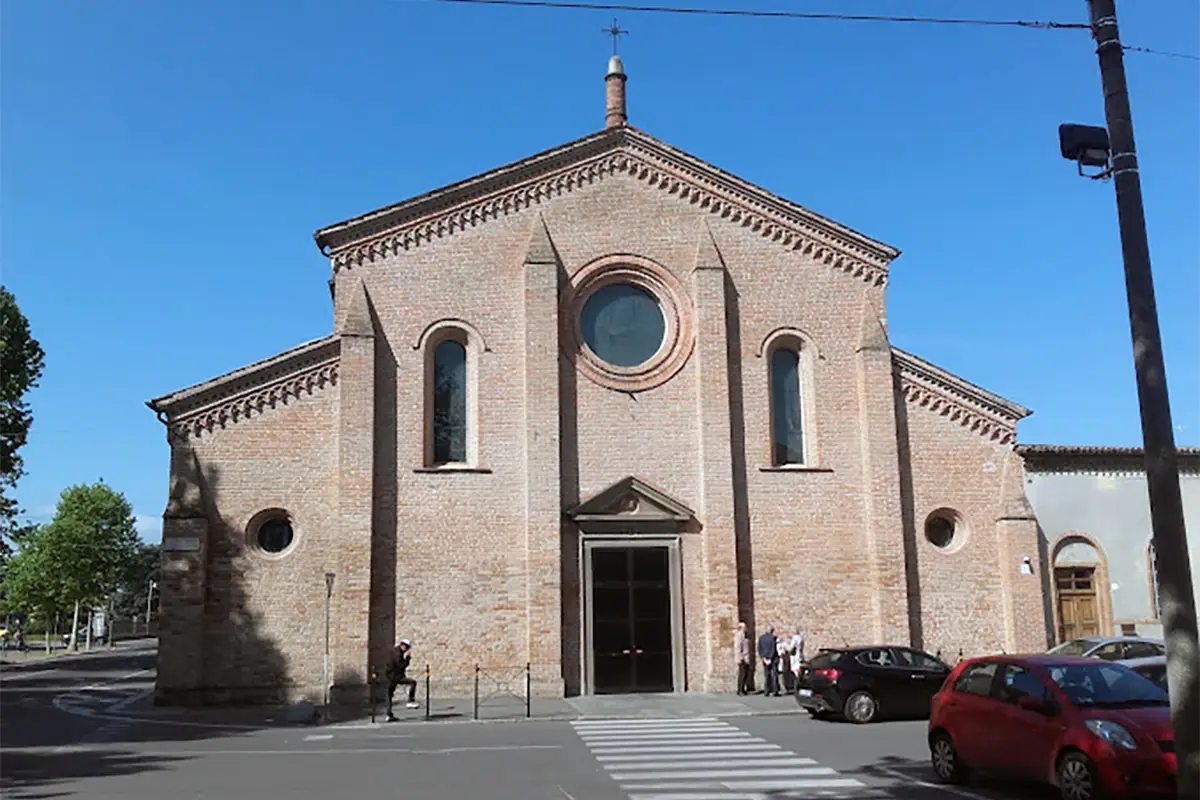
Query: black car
{"points": [[865, 683]]}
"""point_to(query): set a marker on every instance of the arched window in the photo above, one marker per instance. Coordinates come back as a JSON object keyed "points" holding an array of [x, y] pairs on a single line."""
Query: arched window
{"points": [[787, 408], [1155, 604], [448, 416]]}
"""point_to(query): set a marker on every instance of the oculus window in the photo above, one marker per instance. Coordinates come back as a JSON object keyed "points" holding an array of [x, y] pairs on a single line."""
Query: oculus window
{"points": [[623, 325]]}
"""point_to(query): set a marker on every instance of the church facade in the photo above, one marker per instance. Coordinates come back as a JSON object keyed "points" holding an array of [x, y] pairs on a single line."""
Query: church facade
{"points": [[586, 412]]}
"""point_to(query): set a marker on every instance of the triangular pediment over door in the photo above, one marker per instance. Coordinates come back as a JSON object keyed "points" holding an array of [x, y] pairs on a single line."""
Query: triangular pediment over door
{"points": [[632, 506]]}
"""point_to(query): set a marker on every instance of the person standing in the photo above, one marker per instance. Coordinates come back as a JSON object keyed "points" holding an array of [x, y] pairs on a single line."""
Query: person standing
{"points": [[397, 675], [797, 655], [767, 652], [744, 658]]}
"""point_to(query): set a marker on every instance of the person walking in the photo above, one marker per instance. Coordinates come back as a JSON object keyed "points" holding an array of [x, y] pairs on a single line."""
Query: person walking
{"points": [[767, 652], [397, 675], [744, 659]]}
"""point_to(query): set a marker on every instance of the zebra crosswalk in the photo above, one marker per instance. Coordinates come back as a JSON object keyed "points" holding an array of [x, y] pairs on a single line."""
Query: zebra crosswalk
{"points": [[704, 758]]}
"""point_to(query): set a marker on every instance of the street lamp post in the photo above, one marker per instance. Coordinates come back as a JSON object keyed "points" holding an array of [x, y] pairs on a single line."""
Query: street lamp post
{"points": [[1113, 149], [149, 596], [328, 599]]}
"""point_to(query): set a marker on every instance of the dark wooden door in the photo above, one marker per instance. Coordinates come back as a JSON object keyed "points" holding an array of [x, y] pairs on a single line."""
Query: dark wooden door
{"points": [[631, 620]]}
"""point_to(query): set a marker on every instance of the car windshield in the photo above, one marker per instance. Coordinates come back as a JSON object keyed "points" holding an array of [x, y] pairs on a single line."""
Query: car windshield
{"points": [[1075, 647], [1106, 685]]}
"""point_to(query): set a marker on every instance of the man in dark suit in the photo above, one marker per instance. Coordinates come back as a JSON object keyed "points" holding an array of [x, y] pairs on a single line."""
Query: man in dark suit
{"points": [[767, 652]]}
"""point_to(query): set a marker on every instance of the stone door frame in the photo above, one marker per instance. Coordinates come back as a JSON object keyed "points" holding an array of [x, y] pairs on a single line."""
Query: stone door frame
{"points": [[672, 542]]}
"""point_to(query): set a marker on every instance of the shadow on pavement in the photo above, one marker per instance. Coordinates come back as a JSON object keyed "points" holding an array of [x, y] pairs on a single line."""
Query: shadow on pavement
{"points": [[103, 724], [899, 778]]}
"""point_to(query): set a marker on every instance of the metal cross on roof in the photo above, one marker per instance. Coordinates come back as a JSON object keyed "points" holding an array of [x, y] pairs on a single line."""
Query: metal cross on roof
{"points": [[614, 32]]}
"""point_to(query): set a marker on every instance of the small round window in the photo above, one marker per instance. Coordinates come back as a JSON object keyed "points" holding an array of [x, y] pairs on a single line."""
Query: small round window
{"points": [[275, 535], [945, 530], [623, 325]]}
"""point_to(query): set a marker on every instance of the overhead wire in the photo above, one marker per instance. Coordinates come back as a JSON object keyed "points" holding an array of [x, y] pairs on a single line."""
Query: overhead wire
{"points": [[812, 15]]}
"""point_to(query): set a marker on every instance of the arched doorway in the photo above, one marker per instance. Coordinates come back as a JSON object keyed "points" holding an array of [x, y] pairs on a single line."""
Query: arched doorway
{"points": [[1081, 591]]}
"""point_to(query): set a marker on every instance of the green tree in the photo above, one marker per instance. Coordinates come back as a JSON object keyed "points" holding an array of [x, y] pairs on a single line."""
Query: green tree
{"points": [[82, 557], [21, 362], [30, 582], [131, 598]]}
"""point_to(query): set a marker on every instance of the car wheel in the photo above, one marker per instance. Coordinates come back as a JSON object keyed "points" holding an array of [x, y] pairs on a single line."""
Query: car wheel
{"points": [[943, 757], [1077, 778], [860, 707]]}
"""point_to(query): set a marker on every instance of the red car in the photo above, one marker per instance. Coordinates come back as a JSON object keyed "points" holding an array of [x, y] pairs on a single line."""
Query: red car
{"points": [[1092, 728]]}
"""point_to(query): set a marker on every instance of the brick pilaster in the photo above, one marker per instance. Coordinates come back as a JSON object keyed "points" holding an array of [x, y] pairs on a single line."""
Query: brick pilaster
{"points": [[349, 547], [543, 512], [182, 585], [883, 524], [1021, 585], [716, 465]]}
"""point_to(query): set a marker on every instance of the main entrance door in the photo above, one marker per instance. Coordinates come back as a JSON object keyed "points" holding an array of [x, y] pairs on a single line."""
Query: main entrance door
{"points": [[631, 620], [1077, 606]]}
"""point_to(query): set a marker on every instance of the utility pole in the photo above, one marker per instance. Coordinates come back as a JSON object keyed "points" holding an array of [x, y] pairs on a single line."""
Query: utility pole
{"points": [[1178, 602]]}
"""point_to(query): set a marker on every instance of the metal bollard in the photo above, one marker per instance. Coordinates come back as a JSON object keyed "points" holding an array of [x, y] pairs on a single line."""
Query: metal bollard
{"points": [[426, 691], [528, 688], [475, 714], [371, 693]]}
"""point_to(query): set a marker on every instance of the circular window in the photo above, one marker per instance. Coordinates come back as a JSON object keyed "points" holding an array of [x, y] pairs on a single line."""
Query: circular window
{"points": [[271, 532], [944, 529], [626, 323], [623, 325]]}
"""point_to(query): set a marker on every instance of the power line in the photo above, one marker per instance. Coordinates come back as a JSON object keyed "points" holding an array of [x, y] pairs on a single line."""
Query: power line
{"points": [[726, 12], [1149, 51], [777, 14]]}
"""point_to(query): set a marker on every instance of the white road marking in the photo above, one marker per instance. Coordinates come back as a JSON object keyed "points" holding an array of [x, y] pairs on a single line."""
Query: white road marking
{"points": [[6, 677], [120, 705], [778, 760], [318, 737], [702, 759], [702, 754]]}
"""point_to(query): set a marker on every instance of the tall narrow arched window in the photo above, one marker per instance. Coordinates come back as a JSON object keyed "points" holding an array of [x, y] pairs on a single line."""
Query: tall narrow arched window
{"points": [[449, 401], [787, 408]]}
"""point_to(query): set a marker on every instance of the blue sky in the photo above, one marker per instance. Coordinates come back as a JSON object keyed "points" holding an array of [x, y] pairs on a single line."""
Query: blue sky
{"points": [[165, 164]]}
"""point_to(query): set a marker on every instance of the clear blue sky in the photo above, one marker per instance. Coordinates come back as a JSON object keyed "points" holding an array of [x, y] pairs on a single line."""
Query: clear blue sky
{"points": [[165, 165]]}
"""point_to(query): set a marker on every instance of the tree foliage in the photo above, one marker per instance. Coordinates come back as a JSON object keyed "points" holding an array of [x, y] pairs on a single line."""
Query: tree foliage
{"points": [[21, 362], [131, 598], [85, 555]]}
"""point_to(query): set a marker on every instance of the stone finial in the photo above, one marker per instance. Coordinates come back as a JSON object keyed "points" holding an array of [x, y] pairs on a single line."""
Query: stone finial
{"points": [[186, 497], [356, 320], [614, 94], [541, 248], [707, 254], [872, 336]]}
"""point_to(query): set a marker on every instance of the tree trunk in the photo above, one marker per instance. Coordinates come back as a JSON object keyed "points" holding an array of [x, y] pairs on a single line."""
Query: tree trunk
{"points": [[74, 642], [111, 625], [46, 634]]}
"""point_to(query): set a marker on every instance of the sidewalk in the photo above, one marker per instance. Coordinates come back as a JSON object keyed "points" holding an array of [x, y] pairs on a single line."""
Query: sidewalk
{"points": [[14, 661], [495, 709]]}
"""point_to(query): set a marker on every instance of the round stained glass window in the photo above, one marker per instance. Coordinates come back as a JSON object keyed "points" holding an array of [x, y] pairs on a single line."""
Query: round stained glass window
{"points": [[275, 535], [623, 325]]}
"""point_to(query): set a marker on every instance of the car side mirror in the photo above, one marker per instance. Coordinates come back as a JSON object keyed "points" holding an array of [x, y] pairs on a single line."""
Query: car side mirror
{"points": [[1037, 706]]}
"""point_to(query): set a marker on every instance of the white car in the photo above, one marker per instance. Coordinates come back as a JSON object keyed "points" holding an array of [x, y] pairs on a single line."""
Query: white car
{"points": [[1111, 648]]}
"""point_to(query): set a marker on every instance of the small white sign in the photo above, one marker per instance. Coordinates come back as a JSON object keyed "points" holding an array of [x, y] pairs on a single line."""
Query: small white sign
{"points": [[182, 544]]}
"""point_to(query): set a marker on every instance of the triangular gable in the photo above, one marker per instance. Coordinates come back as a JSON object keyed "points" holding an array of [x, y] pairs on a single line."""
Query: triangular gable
{"points": [[615, 151], [631, 506]]}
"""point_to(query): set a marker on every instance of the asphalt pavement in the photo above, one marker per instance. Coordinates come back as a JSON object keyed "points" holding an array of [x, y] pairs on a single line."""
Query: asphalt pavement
{"points": [[80, 727]]}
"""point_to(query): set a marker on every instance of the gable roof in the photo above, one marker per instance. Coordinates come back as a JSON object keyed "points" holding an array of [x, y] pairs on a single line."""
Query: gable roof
{"points": [[252, 389], [614, 151], [974, 407]]}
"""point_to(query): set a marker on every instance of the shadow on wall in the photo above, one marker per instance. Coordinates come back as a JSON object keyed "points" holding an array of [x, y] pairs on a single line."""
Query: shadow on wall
{"points": [[737, 434], [912, 565], [382, 633], [238, 662], [1046, 569], [568, 443]]}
